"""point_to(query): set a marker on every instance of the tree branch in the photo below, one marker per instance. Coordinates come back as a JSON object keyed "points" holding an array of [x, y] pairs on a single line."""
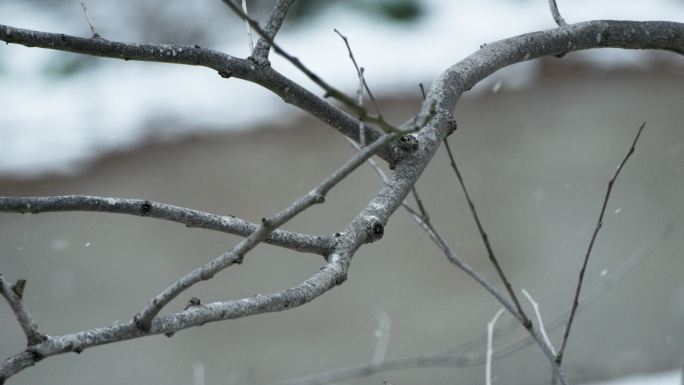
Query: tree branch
{"points": [[599, 224], [227, 66], [191, 218], [237, 253], [275, 20], [369, 224], [13, 295], [471, 353]]}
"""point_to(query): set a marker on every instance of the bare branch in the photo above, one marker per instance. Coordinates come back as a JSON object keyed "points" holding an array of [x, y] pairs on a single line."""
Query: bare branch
{"points": [[485, 239], [470, 353], [235, 255], [191, 218], [556, 14], [275, 20], [227, 66], [13, 295], [599, 224]]}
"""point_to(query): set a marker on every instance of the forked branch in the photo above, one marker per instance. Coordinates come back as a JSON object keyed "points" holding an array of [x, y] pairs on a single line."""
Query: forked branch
{"points": [[275, 21], [13, 294]]}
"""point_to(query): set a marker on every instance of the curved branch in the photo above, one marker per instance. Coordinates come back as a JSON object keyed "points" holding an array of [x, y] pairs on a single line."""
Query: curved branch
{"points": [[227, 66], [191, 218]]}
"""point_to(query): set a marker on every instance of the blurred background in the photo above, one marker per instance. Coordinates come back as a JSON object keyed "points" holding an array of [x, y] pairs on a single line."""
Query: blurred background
{"points": [[537, 144]]}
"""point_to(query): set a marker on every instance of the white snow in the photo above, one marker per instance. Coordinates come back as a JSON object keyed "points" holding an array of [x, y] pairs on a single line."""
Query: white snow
{"points": [[50, 124]]}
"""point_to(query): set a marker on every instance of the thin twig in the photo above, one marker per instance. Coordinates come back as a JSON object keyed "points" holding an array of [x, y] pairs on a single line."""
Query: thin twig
{"points": [[423, 212], [599, 224], [13, 295], [249, 29], [556, 14], [490, 338], [330, 91], [523, 317], [90, 23], [359, 96], [422, 91], [469, 353], [275, 21], [542, 329], [237, 253], [359, 72]]}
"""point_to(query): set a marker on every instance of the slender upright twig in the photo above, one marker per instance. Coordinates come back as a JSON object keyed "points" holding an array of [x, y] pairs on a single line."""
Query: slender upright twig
{"points": [[490, 339], [597, 228], [275, 21], [523, 317], [542, 329], [359, 72], [556, 14]]}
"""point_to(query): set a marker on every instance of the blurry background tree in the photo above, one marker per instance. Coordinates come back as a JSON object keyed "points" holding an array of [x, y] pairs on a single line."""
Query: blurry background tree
{"points": [[86, 269]]}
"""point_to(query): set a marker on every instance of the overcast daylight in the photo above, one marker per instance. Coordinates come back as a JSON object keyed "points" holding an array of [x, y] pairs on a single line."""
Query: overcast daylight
{"points": [[215, 210]]}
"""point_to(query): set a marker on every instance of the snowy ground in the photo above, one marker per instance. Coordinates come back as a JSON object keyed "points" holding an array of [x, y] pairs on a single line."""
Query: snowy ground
{"points": [[51, 124]]}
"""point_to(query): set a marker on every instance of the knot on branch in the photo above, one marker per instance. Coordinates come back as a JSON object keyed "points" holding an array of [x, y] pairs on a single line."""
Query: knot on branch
{"points": [[404, 147], [408, 144], [145, 208], [375, 229], [193, 302], [225, 74]]}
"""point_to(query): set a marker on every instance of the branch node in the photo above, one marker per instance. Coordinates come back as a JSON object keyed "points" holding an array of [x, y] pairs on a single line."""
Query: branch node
{"points": [[193, 302], [408, 144], [375, 231], [140, 323], [225, 74], [145, 208], [18, 288]]}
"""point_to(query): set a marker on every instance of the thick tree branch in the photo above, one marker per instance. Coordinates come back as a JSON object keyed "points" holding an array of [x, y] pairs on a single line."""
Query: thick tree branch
{"points": [[227, 66], [13, 294], [235, 255], [275, 20], [191, 218]]}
